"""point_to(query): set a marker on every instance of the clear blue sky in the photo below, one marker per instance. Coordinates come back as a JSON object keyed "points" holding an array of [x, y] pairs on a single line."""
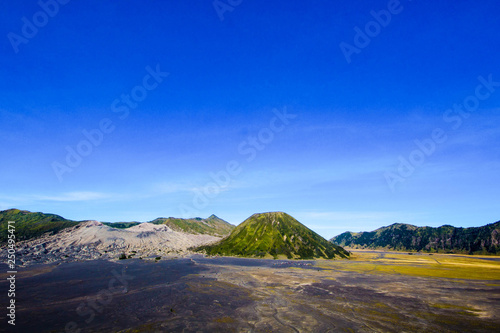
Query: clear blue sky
{"points": [[342, 156]]}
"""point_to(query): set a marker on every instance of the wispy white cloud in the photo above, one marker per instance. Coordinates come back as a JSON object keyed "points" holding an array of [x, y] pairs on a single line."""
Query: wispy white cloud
{"points": [[73, 196], [13, 200]]}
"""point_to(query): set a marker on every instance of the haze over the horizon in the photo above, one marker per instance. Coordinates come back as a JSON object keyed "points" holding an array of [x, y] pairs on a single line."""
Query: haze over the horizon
{"points": [[128, 111]]}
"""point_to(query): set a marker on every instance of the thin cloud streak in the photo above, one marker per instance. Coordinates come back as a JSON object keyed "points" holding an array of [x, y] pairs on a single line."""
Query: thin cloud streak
{"points": [[74, 196]]}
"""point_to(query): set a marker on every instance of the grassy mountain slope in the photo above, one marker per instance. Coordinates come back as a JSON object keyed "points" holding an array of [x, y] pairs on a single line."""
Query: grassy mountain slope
{"points": [[210, 226], [405, 237], [31, 225], [275, 234]]}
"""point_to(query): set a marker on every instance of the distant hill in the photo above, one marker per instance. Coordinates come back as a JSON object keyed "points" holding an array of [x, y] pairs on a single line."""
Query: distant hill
{"points": [[210, 226], [274, 234], [31, 225], [406, 237]]}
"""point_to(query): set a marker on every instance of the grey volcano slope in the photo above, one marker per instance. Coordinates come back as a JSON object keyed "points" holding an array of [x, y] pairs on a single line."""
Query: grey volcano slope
{"points": [[406, 237], [93, 240], [275, 235]]}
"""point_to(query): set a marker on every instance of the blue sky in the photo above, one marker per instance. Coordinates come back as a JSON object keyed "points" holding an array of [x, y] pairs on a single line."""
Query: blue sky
{"points": [[262, 95]]}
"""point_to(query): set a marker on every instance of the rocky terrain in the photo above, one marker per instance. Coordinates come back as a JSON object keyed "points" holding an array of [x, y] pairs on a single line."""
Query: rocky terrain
{"points": [[94, 240], [372, 292]]}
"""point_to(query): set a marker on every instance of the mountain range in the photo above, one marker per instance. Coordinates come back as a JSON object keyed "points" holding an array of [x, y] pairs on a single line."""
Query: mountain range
{"points": [[48, 237], [406, 237], [212, 225], [31, 225]]}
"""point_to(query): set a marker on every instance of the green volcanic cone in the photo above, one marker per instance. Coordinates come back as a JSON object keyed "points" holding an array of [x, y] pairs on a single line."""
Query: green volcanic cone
{"points": [[275, 234]]}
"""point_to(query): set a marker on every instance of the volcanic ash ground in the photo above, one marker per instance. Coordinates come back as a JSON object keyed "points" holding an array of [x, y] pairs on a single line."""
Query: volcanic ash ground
{"points": [[94, 240]]}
